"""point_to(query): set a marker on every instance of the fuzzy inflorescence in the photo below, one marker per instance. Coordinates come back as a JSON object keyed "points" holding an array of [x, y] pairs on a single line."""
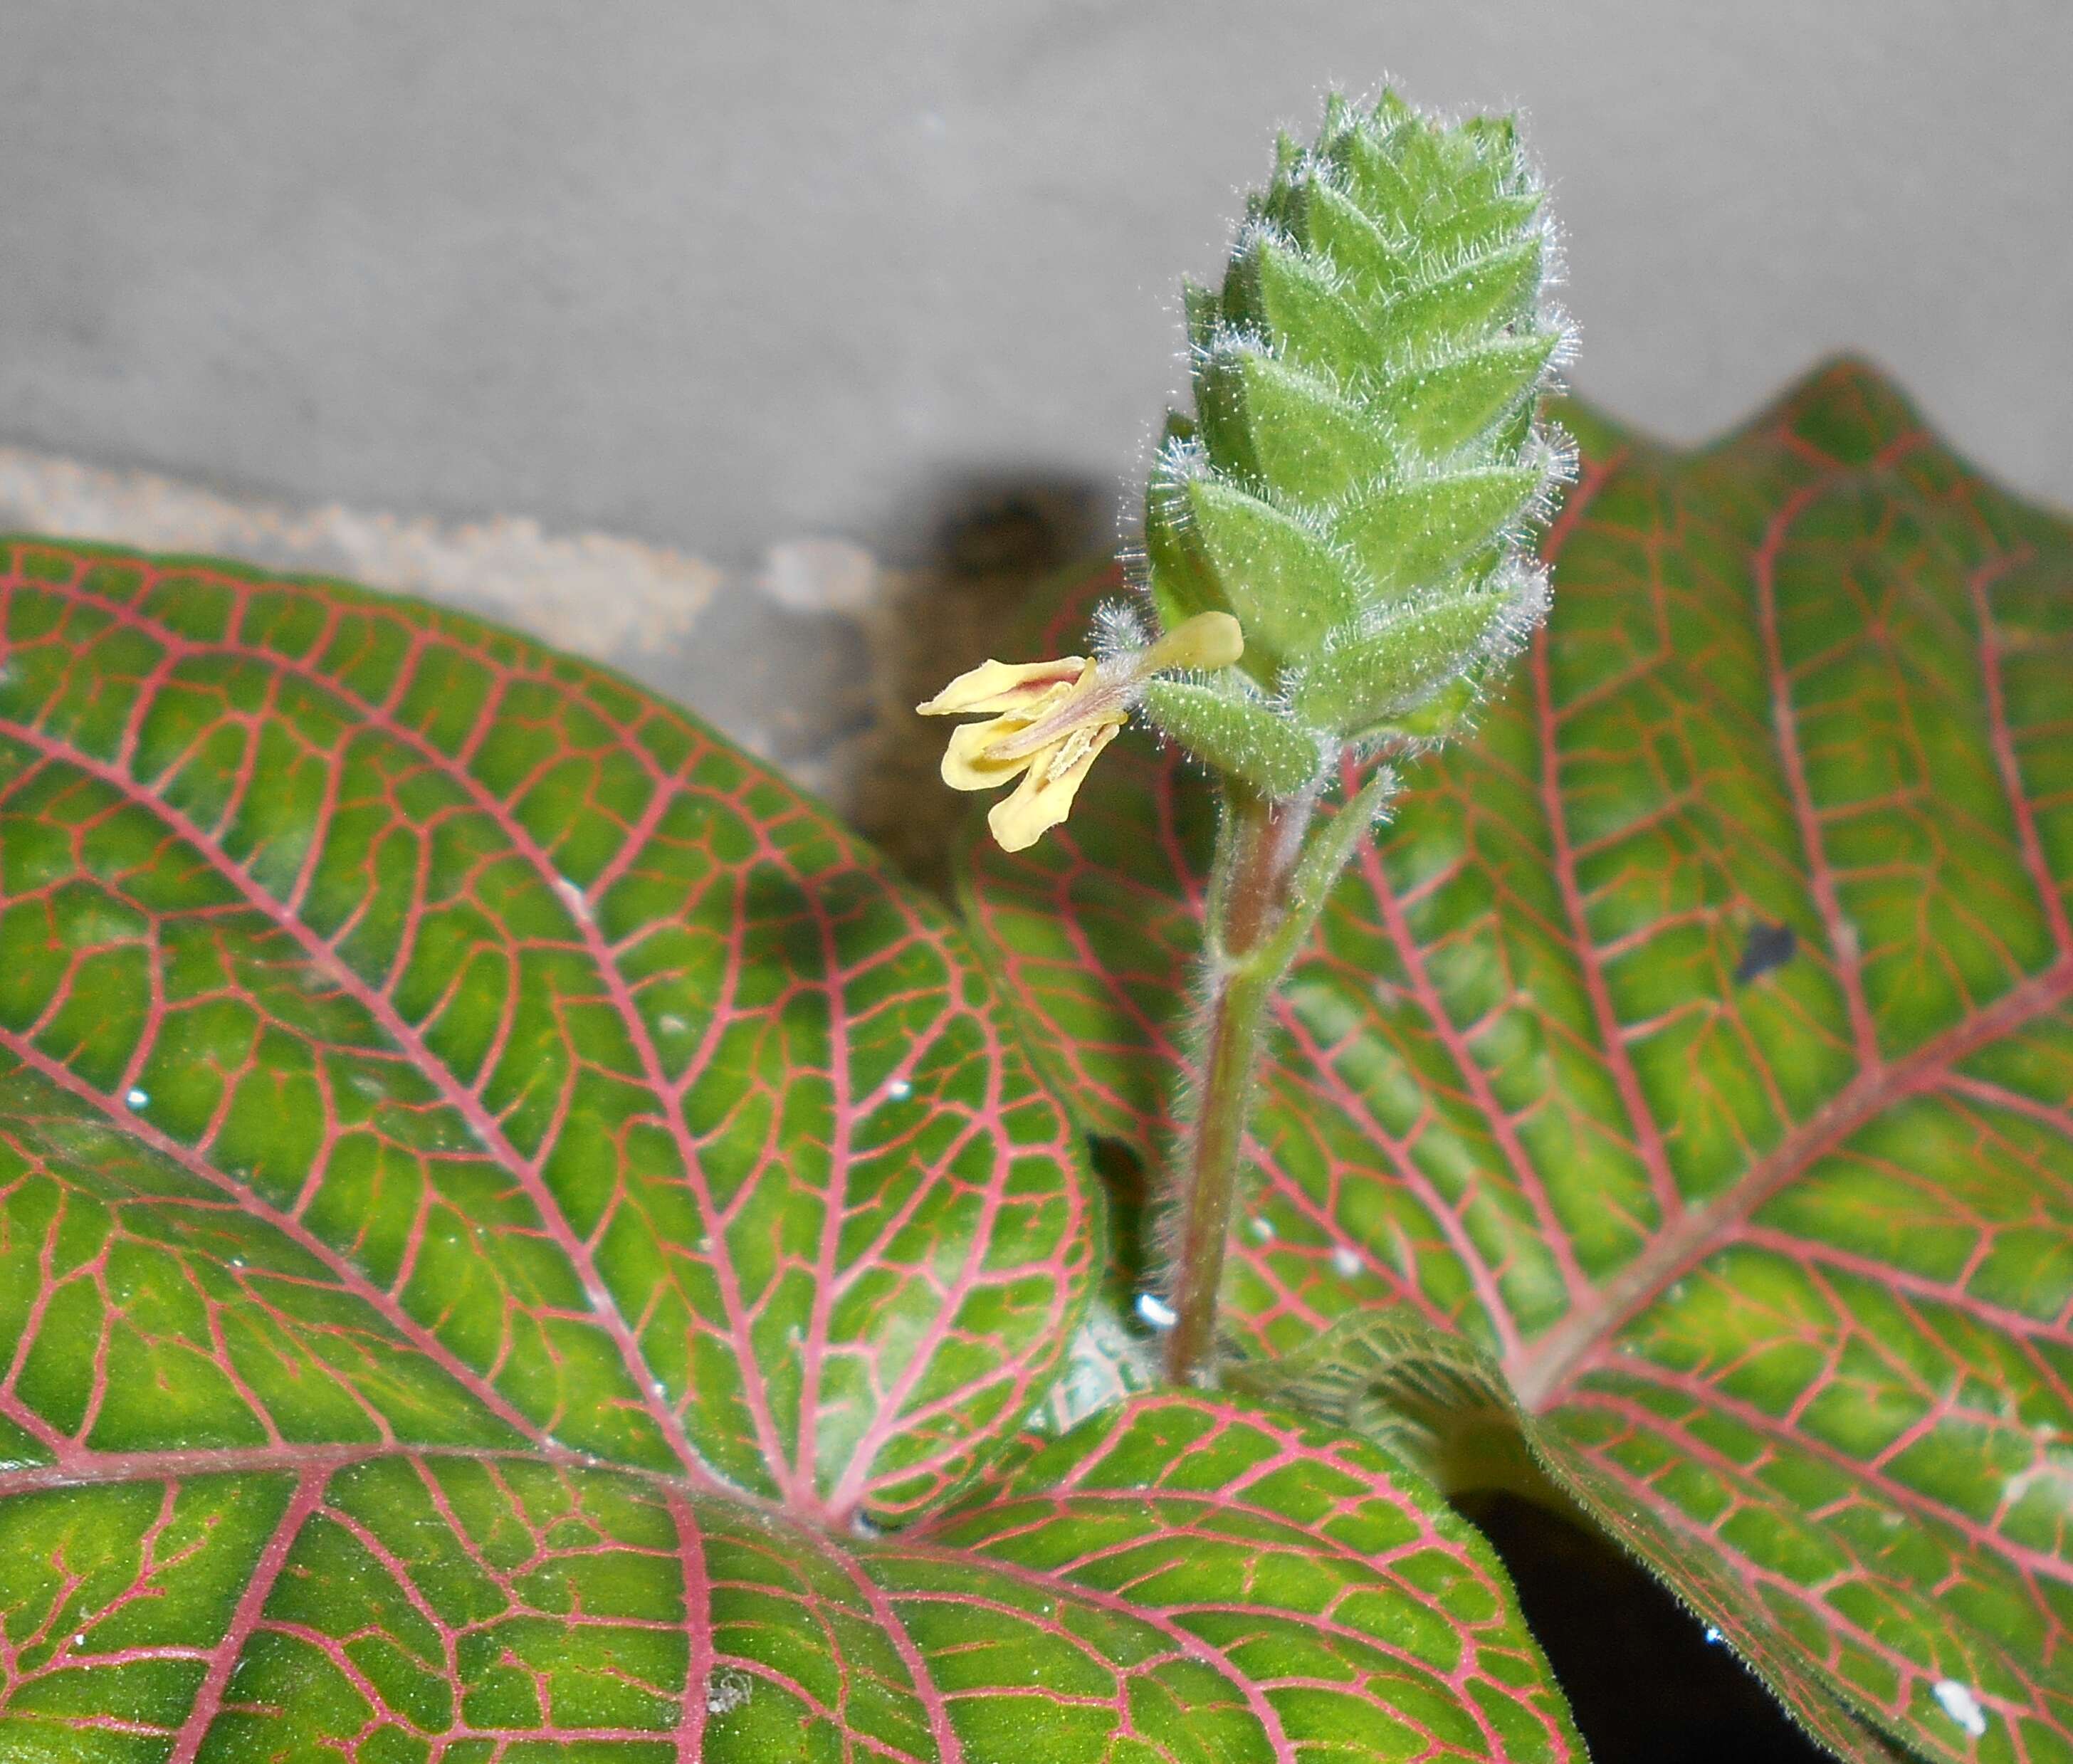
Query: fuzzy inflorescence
{"points": [[1366, 469]]}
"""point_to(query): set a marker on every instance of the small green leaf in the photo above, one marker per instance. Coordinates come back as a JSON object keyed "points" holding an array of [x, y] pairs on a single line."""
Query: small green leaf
{"points": [[1433, 719], [1436, 409], [1477, 227], [1291, 303], [1375, 179], [1181, 580], [1337, 229], [1419, 531], [1286, 584], [1269, 423], [1201, 313], [1354, 688], [1490, 289], [1232, 732]]}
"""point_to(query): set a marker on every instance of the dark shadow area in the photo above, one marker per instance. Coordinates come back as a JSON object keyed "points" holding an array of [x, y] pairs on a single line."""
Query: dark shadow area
{"points": [[1124, 1180], [1767, 946], [1645, 1684], [976, 550], [985, 525]]}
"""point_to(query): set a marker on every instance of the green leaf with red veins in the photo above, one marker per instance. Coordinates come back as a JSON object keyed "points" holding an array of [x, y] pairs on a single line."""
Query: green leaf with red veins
{"points": [[1695, 1045], [604, 1066], [1189, 1579], [501, 1199]]}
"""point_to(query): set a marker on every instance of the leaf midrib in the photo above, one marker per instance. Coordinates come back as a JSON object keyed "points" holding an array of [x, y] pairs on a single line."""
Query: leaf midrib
{"points": [[794, 1472], [350, 1276], [407, 1042], [376, 717], [1540, 1375]]}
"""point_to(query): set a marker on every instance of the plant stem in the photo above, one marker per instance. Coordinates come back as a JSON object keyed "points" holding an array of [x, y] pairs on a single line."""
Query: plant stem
{"points": [[1257, 852]]}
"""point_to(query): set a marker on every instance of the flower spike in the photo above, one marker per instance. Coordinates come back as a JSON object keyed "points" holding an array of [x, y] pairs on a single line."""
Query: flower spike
{"points": [[1046, 722]]}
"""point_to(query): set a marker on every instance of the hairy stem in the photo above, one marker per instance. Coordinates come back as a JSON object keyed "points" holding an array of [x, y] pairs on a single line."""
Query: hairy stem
{"points": [[1243, 959], [1273, 872]]}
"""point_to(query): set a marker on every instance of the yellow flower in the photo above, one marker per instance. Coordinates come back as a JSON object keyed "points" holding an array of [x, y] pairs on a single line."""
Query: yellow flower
{"points": [[1046, 721]]}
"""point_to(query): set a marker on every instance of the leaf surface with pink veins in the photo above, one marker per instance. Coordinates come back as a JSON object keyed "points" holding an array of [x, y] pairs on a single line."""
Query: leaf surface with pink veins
{"points": [[502, 1202], [1694, 1048]]}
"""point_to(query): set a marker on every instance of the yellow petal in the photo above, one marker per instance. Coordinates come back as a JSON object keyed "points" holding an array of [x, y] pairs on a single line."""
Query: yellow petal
{"points": [[1207, 641], [966, 764], [1045, 796], [1004, 685]]}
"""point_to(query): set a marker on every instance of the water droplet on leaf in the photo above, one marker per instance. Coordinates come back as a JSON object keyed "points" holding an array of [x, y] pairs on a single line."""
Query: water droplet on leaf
{"points": [[1962, 1706], [572, 896], [1156, 1311]]}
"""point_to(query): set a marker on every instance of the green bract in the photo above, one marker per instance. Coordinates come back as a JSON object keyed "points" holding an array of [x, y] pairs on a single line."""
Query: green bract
{"points": [[1364, 463]]}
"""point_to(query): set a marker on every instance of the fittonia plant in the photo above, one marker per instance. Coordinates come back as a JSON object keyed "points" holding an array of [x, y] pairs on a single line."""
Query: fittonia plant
{"points": [[1348, 513], [520, 1240]]}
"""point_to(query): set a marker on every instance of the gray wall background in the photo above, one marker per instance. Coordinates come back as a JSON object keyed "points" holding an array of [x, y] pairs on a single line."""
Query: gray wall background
{"points": [[715, 275]]}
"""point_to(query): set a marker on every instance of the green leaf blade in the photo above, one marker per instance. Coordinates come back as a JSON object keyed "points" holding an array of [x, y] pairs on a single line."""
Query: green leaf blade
{"points": [[1409, 533], [484, 1013], [1288, 429], [1234, 734], [1471, 298], [1185, 1571], [1285, 297], [1415, 650], [1287, 585], [1436, 409], [498, 1192]]}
